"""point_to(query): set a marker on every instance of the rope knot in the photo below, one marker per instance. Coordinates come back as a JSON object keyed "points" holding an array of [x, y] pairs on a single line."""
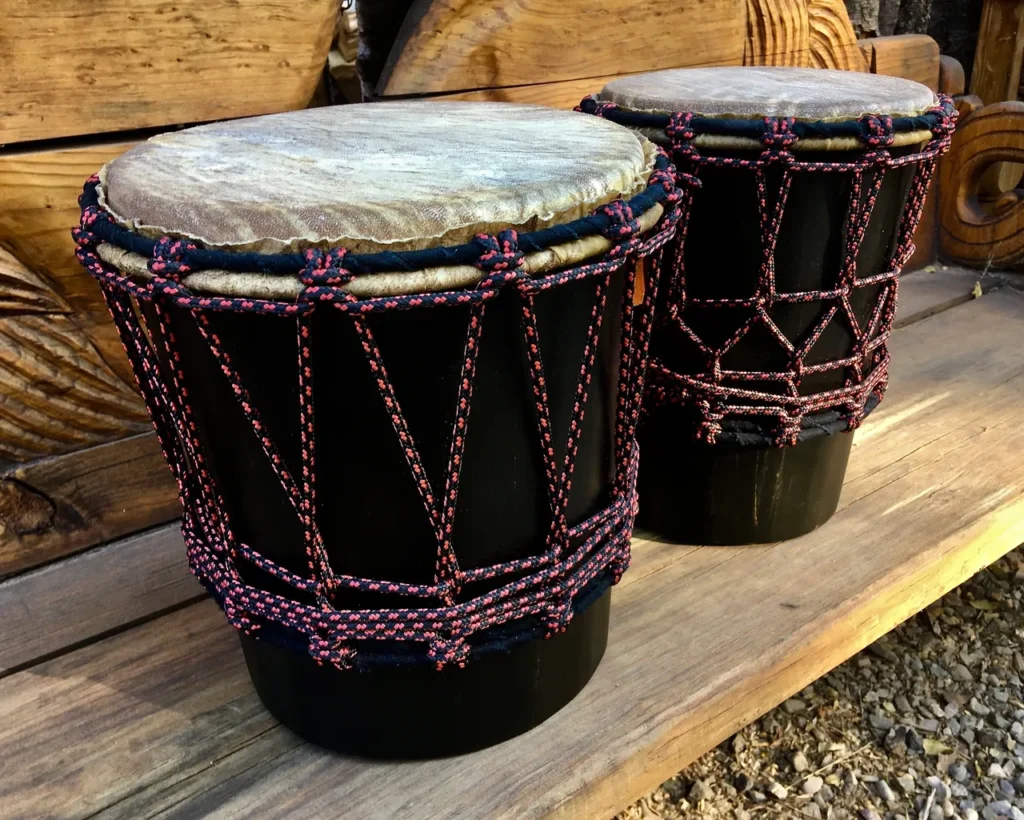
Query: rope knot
{"points": [[778, 133], [499, 254], [331, 650], [167, 259], [444, 651], [945, 117], [680, 130], [592, 105], [878, 131], [325, 268], [557, 614], [84, 235], [622, 224], [710, 423], [787, 433]]}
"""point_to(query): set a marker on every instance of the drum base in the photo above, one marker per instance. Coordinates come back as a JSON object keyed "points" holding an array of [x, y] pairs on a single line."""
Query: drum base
{"points": [[421, 712], [696, 494]]}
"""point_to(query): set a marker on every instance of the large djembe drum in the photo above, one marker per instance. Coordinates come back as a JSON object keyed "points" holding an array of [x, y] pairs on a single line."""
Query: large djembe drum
{"points": [[803, 191], [394, 354]]}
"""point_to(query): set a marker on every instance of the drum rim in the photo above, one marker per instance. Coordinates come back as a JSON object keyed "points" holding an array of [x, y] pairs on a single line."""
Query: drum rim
{"points": [[738, 133], [278, 276]]}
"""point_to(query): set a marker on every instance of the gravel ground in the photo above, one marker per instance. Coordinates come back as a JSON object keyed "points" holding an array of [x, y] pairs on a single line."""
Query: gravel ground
{"points": [[925, 724]]}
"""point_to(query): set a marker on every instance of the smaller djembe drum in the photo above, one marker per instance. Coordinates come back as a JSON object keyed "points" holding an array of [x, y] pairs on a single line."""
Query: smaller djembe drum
{"points": [[395, 354], [803, 191]]}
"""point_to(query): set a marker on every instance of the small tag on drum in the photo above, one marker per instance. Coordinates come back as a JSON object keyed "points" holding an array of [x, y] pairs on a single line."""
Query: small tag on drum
{"points": [[639, 284]]}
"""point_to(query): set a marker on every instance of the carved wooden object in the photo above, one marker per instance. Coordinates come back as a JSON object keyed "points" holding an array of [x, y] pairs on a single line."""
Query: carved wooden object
{"points": [[997, 62], [461, 45], [809, 33], [107, 65], [912, 56], [974, 231]]}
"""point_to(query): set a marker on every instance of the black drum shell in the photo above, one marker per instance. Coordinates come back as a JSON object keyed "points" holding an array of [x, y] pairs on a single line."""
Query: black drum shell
{"points": [[371, 516], [725, 494]]}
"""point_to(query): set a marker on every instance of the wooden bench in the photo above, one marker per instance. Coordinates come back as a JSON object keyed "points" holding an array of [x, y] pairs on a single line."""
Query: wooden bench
{"points": [[125, 694]]}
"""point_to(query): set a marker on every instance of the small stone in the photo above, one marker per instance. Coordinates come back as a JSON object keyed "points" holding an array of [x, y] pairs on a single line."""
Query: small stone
{"points": [[970, 814], [906, 783], [958, 771], [738, 744], [936, 813], [742, 782], [812, 810], [1006, 787], [958, 791], [826, 794], [880, 722], [742, 814], [997, 810], [979, 708], [700, 791], [902, 703], [995, 770], [938, 785], [930, 725], [799, 761], [962, 673], [850, 782], [812, 785], [885, 791], [757, 797], [967, 735], [794, 706], [869, 814], [778, 791], [882, 650], [990, 738], [948, 809]]}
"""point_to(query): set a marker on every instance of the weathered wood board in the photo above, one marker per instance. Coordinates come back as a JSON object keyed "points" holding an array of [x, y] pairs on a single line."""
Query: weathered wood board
{"points": [[63, 604], [114, 65], [997, 62], [461, 45], [161, 719], [57, 506]]}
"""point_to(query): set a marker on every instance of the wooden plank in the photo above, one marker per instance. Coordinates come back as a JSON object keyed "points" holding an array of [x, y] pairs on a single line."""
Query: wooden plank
{"points": [[58, 506], [461, 45], [64, 604], [911, 56], [162, 719], [122, 64], [925, 293], [997, 61]]}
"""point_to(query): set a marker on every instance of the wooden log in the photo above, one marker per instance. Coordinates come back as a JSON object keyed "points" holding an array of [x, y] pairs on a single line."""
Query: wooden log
{"points": [[57, 506], [162, 720], [461, 45], [64, 604], [911, 56], [113, 66], [997, 61]]}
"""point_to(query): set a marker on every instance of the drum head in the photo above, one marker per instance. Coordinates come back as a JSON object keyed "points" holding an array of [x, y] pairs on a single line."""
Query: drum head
{"points": [[767, 91], [386, 176]]}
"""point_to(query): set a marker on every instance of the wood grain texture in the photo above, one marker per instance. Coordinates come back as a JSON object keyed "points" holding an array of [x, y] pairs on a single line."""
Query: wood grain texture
{"points": [[973, 232], [162, 721], [61, 505], [565, 94], [461, 45], [911, 56], [833, 42], [1000, 52], [72, 601], [802, 33], [123, 64]]}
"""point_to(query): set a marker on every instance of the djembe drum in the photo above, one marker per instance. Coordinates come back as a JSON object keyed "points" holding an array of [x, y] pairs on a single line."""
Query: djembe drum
{"points": [[803, 191], [394, 354]]}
